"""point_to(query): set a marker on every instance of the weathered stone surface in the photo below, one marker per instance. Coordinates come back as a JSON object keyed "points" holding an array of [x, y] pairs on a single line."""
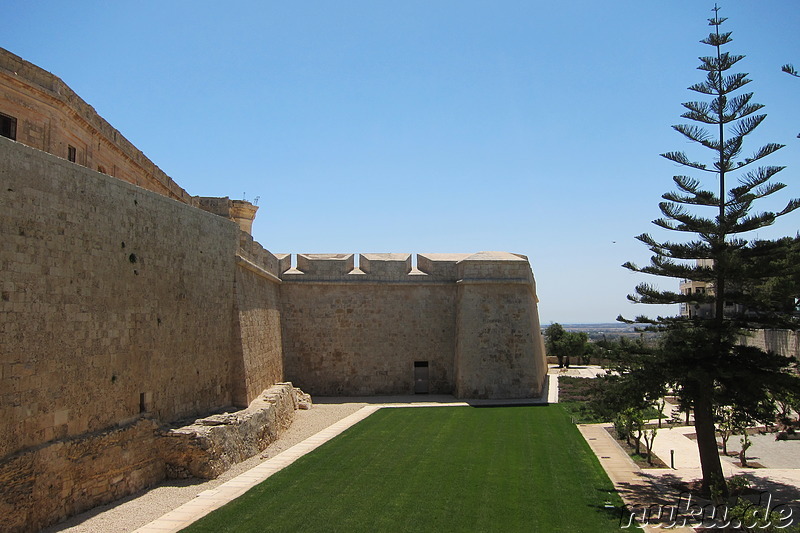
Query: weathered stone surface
{"points": [[49, 483], [209, 446], [46, 484], [471, 321]]}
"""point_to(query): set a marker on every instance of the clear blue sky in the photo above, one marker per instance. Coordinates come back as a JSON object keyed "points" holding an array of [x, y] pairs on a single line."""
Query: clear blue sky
{"points": [[423, 125]]}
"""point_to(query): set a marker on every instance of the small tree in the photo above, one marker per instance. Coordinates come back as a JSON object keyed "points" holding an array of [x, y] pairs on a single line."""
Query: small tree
{"points": [[726, 425], [649, 437], [785, 403], [701, 357], [552, 338], [661, 403], [564, 344]]}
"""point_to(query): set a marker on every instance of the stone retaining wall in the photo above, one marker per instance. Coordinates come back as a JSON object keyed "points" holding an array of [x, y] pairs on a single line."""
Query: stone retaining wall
{"points": [[46, 484]]}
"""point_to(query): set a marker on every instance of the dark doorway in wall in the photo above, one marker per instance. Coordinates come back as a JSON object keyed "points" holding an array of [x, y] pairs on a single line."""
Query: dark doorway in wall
{"points": [[421, 377], [8, 127]]}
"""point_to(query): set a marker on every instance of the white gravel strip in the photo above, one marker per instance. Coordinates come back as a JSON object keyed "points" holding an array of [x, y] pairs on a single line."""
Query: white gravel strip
{"points": [[132, 512]]}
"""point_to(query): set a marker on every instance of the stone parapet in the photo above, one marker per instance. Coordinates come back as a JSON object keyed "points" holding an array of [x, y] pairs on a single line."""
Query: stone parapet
{"points": [[252, 251], [385, 266], [494, 266], [440, 266], [388, 267], [240, 211]]}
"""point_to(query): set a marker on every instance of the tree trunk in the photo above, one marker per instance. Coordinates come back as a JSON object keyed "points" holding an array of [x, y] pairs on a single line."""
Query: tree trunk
{"points": [[713, 477]]}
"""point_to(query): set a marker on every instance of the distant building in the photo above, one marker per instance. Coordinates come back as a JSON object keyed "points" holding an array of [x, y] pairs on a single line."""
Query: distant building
{"points": [[689, 287]]}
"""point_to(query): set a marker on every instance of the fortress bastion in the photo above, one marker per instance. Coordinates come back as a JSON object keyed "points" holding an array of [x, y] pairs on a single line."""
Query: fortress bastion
{"points": [[129, 309]]}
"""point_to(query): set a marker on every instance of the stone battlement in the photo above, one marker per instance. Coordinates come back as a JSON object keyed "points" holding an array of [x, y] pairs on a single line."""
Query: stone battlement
{"points": [[431, 267]]}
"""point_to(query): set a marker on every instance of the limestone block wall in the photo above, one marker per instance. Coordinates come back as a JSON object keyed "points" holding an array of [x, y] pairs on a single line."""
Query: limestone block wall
{"points": [[45, 484], [499, 350], [470, 320], [211, 445], [113, 301], [51, 118], [49, 483], [350, 331], [782, 341], [258, 350]]}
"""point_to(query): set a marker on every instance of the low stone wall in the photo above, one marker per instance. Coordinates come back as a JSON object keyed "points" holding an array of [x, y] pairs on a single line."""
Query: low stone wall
{"points": [[46, 484], [49, 483], [209, 446]]}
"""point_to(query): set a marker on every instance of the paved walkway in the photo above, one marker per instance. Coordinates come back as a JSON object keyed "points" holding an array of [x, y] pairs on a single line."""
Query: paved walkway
{"points": [[638, 489]]}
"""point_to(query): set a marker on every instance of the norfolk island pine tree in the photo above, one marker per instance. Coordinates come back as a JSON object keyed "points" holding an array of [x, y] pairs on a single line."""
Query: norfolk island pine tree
{"points": [[701, 357]]}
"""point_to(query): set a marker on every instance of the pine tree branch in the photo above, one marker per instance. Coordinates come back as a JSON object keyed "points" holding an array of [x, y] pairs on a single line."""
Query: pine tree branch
{"points": [[715, 39], [740, 107], [753, 222], [788, 68], [647, 294], [688, 222], [705, 198], [681, 159], [753, 179], [698, 111], [719, 64], [747, 124], [692, 186], [734, 82], [791, 206], [762, 152], [697, 134]]}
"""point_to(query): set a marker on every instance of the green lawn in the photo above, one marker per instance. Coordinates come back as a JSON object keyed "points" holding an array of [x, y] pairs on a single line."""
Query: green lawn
{"points": [[435, 469]]}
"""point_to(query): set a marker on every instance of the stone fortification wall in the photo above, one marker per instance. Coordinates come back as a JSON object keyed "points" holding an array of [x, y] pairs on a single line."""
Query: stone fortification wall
{"points": [[115, 301], [782, 341], [48, 483], [258, 352], [120, 310], [51, 118], [359, 331], [364, 330], [499, 350]]}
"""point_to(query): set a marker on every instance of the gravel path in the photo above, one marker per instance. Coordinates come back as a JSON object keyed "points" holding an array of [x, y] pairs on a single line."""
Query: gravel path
{"points": [[130, 513]]}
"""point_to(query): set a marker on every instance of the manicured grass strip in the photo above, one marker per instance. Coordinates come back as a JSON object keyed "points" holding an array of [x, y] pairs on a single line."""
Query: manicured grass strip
{"points": [[435, 469]]}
